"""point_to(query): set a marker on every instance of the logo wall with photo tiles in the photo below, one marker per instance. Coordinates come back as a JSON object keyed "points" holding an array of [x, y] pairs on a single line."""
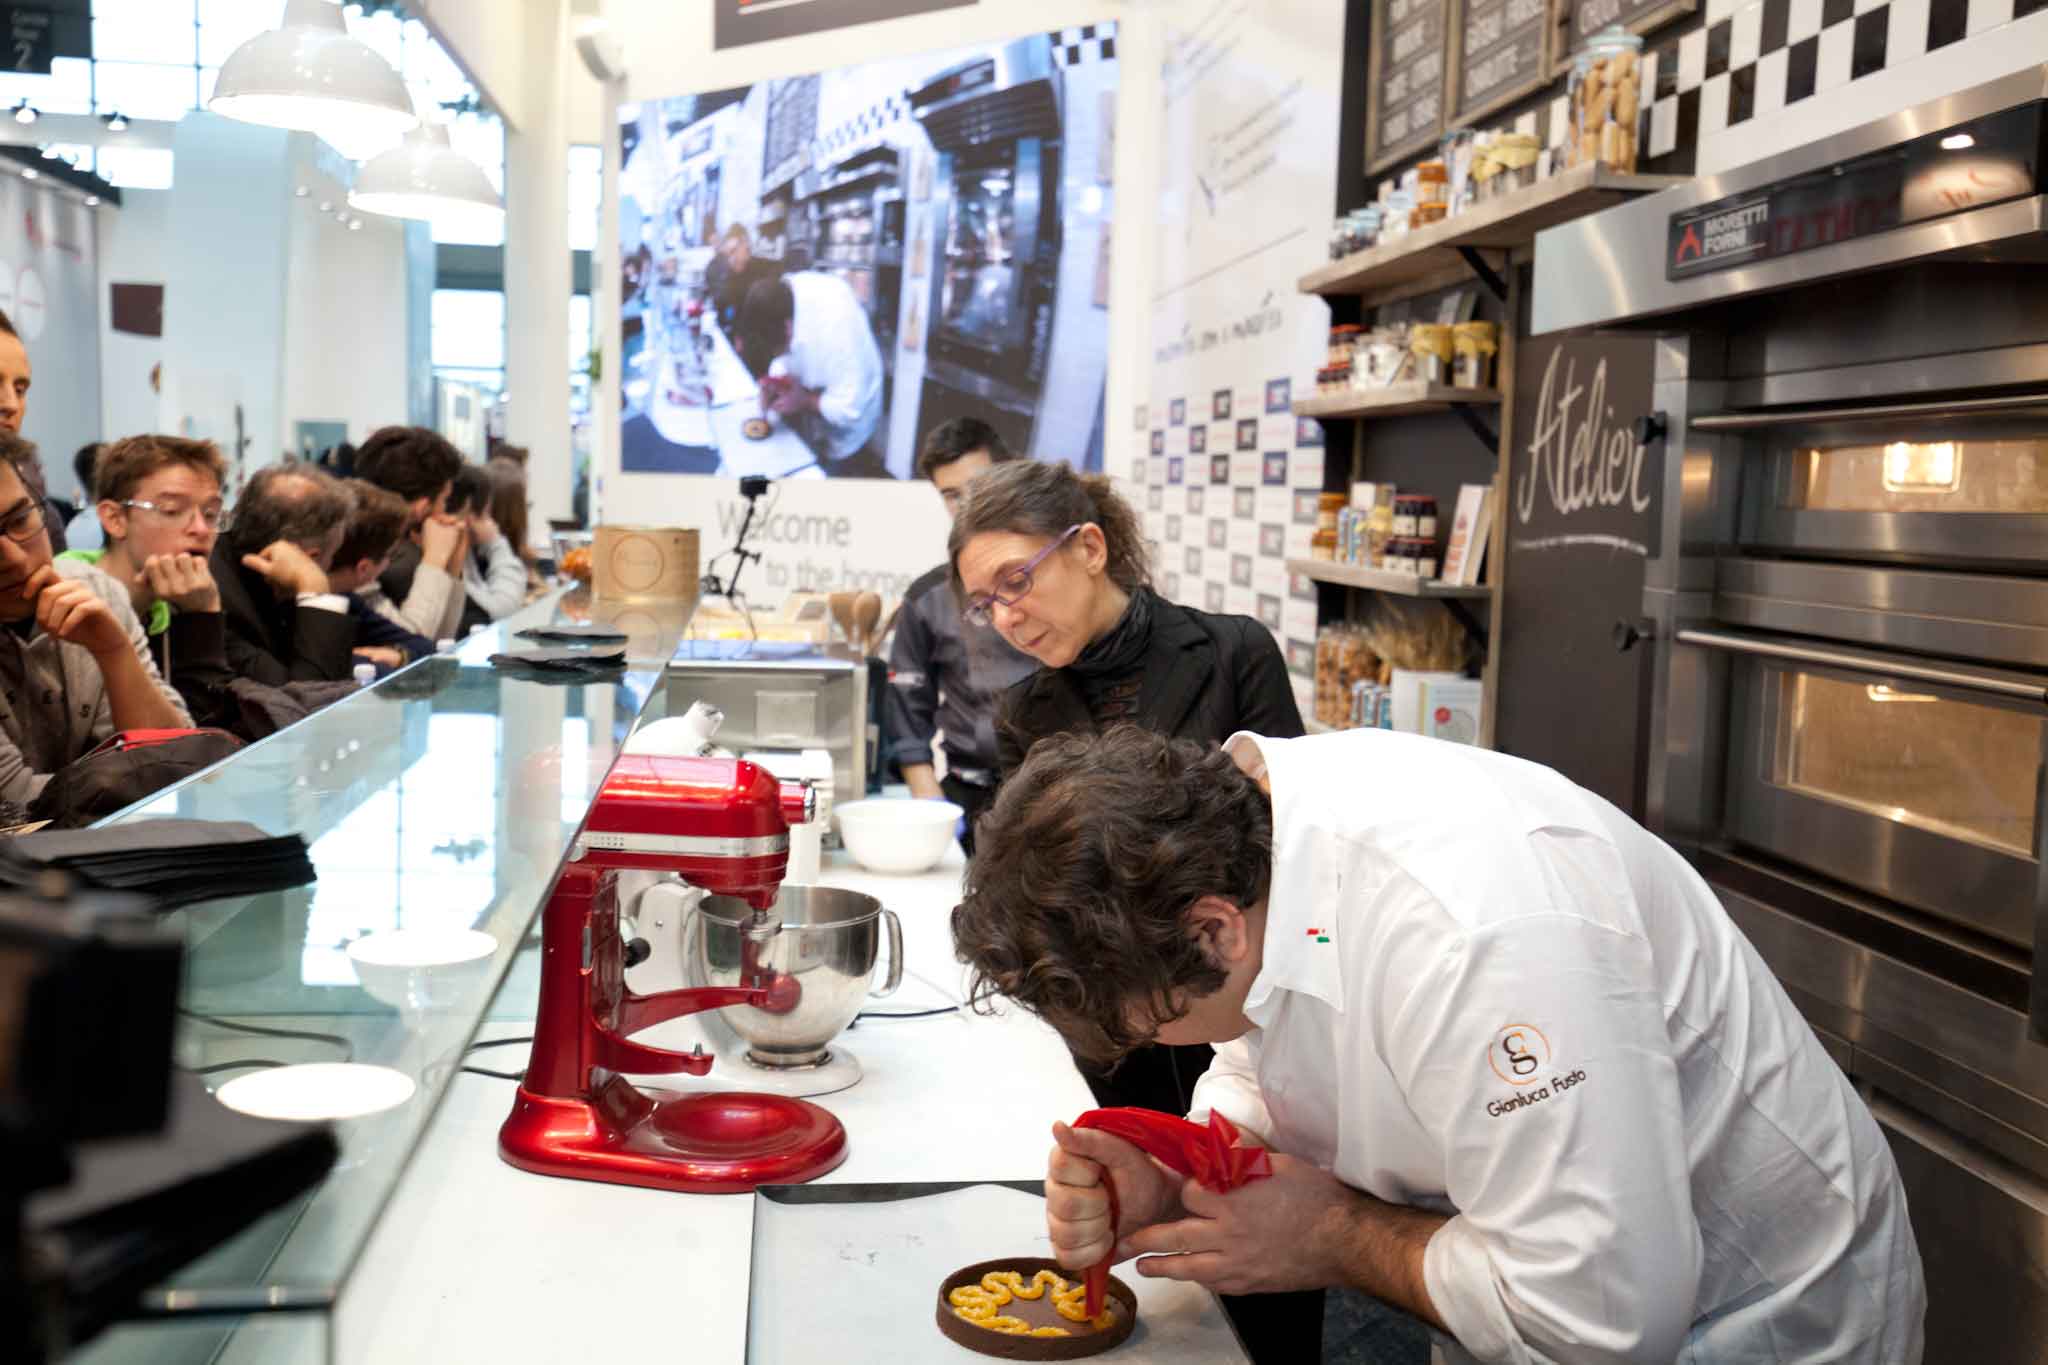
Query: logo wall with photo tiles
{"points": [[1191, 560], [1306, 504], [1171, 580], [1269, 611], [1248, 433], [1177, 413], [1219, 406], [1301, 587], [1173, 527], [1176, 469], [1198, 439], [1273, 468], [1301, 657], [1155, 498], [1138, 471], [1159, 441], [1219, 534], [1240, 571], [1308, 431], [1198, 495], [1247, 467], [1279, 395], [1219, 469], [1212, 598], [1244, 502], [1273, 541], [1141, 417]]}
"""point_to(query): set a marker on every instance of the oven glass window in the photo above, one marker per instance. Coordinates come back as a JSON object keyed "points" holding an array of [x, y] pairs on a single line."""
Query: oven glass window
{"points": [[1922, 476], [1954, 768]]}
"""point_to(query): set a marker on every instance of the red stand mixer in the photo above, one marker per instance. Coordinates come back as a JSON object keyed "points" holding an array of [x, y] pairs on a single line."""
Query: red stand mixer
{"points": [[718, 823]]}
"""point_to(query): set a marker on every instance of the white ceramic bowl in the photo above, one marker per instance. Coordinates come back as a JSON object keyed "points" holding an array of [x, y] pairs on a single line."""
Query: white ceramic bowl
{"points": [[897, 835], [422, 969]]}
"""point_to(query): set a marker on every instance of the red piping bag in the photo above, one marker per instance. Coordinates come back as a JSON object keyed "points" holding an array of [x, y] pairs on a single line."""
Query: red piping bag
{"points": [[1214, 1155]]}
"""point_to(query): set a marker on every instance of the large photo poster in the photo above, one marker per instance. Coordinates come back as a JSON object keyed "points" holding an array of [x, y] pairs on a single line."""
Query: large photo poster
{"points": [[817, 270]]}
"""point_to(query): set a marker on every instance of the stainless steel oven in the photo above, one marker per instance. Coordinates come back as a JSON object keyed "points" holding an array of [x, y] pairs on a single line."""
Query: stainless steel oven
{"points": [[1849, 615]]}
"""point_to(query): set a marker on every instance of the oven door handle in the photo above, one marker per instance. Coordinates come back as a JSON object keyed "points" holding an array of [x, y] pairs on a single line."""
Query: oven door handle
{"points": [[1994, 682], [2018, 403]]}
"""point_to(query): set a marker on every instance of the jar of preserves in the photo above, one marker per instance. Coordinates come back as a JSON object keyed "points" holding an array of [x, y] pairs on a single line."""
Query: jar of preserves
{"points": [[1425, 517], [1432, 183]]}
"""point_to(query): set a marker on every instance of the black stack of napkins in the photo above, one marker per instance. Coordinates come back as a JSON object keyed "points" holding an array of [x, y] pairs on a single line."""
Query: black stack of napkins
{"points": [[573, 631], [562, 663], [174, 862]]}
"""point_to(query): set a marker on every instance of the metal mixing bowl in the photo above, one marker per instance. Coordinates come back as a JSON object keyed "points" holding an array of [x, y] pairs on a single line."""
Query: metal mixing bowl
{"points": [[828, 942]]}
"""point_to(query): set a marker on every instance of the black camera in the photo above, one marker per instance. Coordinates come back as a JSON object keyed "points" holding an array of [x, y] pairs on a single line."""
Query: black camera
{"points": [[753, 485]]}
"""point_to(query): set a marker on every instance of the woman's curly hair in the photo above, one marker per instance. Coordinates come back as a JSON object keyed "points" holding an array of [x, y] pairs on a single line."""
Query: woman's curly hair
{"points": [[1083, 872]]}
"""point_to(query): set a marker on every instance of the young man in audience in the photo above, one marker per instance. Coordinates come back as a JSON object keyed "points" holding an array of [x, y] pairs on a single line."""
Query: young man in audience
{"points": [[285, 623], [159, 509], [74, 668], [424, 578], [374, 531]]}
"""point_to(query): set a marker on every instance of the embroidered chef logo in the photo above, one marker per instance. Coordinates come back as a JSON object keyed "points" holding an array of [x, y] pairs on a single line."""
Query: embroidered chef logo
{"points": [[1518, 1054]]}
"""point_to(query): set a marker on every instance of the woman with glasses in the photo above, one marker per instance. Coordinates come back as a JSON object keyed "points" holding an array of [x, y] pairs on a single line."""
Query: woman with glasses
{"points": [[159, 505], [1056, 562]]}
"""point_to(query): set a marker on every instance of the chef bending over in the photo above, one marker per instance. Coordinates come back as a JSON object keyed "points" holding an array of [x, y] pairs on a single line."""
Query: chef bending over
{"points": [[1522, 1076]]}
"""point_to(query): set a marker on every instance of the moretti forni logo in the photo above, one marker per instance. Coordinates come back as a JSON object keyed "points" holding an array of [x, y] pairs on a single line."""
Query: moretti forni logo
{"points": [[1520, 1054], [1719, 235]]}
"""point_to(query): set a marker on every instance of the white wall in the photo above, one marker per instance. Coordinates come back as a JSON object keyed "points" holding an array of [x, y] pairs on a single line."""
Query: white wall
{"points": [[488, 40], [345, 353], [134, 249], [891, 531]]}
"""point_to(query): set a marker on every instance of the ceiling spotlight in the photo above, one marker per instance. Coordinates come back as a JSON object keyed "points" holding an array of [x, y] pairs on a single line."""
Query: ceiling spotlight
{"points": [[25, 112], [355, 225], [92, 201], [30, 173], [327, 206], [301, 192], [1958, 142], [116, 122]]}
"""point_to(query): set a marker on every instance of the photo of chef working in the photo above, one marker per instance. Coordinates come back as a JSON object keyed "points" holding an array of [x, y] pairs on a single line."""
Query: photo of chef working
{"points": [[818, 270]]}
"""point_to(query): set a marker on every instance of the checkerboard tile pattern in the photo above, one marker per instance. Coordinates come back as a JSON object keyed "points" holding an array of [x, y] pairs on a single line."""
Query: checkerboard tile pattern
{"points": [[864, 128], [1088, 43], [1750, 61]]}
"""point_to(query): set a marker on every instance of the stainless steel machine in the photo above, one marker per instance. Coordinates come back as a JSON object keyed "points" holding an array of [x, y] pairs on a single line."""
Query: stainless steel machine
{"points": [[779, 700], [1849, 614]]}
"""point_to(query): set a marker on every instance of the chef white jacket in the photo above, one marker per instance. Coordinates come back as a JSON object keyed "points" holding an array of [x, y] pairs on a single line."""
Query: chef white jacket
{"points": [[832, 349], [1488, 993]]}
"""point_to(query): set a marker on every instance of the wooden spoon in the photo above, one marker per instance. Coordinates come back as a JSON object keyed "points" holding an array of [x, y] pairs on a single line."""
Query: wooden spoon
{"points": [[841, 604], [867, 614]]}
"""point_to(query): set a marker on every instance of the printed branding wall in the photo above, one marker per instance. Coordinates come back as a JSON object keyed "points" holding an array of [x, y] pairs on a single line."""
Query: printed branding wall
{"points": [[1228, 477], [49, 269]]}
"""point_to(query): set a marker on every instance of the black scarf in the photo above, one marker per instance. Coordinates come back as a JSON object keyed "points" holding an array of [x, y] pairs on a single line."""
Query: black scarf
{"points": [[1110, 669]]}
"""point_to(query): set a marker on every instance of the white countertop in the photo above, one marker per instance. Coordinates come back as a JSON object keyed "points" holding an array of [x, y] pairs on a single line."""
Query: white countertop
{"points": [[475, 1260]]}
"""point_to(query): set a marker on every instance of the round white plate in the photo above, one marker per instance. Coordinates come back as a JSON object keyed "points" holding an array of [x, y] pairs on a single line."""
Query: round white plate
{"points": [[317, 1090]]}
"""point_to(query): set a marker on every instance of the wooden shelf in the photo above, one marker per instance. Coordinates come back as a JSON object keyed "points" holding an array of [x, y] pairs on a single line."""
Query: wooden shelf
{"points": [[1379, 580], [1423, 258], [1396, 400]]}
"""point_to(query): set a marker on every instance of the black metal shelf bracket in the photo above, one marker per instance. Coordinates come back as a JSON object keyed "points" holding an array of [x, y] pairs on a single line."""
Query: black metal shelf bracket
{"points": [[1488, 437], [1488, 276]]}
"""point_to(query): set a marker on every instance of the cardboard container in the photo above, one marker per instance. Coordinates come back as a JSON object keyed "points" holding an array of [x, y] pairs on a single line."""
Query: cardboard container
{"points": [[644, 563]]}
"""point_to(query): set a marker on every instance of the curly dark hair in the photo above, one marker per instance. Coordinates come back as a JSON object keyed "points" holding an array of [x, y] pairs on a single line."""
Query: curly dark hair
{"points": [[413, 462], [1040, 498], [1084, 869]]}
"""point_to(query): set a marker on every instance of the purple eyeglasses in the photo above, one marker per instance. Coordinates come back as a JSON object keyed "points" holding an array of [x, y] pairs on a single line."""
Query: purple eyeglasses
{"points": [[1013, 586]]}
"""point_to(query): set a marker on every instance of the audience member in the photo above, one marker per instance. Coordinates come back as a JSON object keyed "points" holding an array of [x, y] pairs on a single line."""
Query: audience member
{"points": [[83, 531], [15, 377], [493, 577], [285, 622], [160, 510], [510, 509], [74, 665], [425, 574], [374, 530]]}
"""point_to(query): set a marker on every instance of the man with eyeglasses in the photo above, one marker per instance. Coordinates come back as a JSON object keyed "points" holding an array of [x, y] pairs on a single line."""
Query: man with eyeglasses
{"points": [[945, 673], [74, 665], [159, 506]]}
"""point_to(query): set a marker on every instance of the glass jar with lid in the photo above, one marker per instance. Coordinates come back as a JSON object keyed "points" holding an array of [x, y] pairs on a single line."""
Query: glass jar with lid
{"points": [[1605, 97]]}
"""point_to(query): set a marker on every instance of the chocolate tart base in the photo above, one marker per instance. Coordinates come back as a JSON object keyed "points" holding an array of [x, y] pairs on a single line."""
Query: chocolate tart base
{"points": [[1083, 1341]]}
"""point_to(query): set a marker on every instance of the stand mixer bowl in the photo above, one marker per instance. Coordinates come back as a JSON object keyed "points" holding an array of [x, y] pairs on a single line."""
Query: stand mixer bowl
{"points": [[827, 944]]}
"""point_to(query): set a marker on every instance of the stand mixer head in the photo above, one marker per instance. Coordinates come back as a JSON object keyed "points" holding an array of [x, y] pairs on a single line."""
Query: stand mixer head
{"points": [[718, 823]]}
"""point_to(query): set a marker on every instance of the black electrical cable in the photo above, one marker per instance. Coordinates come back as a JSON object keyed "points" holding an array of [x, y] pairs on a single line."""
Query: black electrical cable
{"points": [[495, 1075], [348, 1049], [498, 1042], [904, 1014], [262, 1063]]}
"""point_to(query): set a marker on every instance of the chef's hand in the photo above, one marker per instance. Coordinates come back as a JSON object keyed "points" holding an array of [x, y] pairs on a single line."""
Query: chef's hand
{"points": [[71, 611], [1290, 1230], [182, 580], [1076, 1205], [288, 568], [794, 398]]}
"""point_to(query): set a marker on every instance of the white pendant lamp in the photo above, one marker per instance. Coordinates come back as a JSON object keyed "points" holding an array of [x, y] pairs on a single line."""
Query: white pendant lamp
{"points": [[425, 177], [309, 74]]}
